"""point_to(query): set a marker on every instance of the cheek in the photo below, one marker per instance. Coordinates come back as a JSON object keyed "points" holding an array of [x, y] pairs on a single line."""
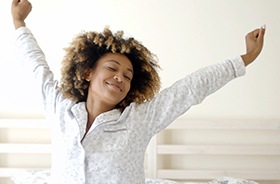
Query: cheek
{"points": [[128, 86], [127, 89]]}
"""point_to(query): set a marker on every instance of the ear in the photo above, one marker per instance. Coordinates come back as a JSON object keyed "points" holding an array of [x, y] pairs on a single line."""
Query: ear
{"points": [[88, 76]]}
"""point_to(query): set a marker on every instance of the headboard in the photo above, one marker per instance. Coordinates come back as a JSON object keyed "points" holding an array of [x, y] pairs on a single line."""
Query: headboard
{"points": [[201, 150], [188, 150], [24, 144]]}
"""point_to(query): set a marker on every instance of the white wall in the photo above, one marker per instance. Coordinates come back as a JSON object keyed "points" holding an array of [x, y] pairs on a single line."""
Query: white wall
{"points": [[185, 35]]}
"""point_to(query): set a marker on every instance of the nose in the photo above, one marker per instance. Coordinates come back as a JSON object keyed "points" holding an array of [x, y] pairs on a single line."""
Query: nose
{"points": [[118, 78]]}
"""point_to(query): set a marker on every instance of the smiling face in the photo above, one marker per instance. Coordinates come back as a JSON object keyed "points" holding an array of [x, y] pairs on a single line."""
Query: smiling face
{"points": [[110, 80]]}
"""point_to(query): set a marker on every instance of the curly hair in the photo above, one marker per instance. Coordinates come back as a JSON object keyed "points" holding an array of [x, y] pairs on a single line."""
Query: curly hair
{"points": [[87, 47]]}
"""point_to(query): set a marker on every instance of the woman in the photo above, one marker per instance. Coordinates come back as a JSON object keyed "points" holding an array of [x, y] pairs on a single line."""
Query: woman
{"points": [[107, 106]]}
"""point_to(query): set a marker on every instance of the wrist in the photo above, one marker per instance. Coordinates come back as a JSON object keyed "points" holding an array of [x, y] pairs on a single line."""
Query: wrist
{"points": [[247, 58], [18, 24]]}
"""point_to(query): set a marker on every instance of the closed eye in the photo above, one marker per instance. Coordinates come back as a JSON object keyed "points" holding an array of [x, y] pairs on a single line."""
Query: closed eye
{"points": [[128, 78], [111, 68]]}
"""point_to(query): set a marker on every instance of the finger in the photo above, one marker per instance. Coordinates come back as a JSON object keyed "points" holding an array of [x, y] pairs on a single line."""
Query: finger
{"points": [[263, 28], [256, 33], [15, 2], [261, 33], [23, 2]]}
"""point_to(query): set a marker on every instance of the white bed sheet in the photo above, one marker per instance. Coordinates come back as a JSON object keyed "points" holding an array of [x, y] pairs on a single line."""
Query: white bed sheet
{"points": [[43, 177]]}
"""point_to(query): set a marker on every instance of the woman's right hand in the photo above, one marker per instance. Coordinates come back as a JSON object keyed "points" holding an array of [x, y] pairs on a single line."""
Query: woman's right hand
{"points": [[20, 10]]}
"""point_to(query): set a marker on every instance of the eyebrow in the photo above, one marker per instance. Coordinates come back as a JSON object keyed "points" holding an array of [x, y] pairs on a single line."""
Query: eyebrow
{"points": [[118, 63]]}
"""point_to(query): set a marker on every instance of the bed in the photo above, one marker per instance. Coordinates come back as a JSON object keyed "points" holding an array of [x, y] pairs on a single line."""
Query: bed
{"points": [[188, 151]]}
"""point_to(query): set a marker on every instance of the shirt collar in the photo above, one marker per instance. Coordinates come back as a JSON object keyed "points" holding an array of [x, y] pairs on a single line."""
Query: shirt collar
{"points": [[80, 113]]}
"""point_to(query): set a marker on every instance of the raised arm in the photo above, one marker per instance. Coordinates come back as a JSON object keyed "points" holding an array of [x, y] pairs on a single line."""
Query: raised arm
{"points": [[254, 44], [20, 10], [194, 88], [33, 57]]}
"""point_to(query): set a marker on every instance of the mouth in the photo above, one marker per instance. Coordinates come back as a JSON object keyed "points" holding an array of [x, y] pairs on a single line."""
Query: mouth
{"points": [[115, 86]]}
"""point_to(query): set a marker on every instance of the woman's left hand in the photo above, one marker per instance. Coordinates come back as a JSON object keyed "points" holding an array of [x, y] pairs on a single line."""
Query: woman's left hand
{"points": [[254, 45]]}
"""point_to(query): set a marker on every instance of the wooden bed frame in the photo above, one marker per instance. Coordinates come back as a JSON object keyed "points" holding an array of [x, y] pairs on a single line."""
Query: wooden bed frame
{"points": [[188, 150]]}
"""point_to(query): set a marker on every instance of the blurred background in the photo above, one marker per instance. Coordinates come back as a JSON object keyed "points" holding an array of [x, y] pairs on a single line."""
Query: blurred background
{"points": [[184, 34]]}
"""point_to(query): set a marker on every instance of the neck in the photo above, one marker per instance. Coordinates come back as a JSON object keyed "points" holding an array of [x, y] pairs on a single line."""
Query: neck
{"points": [[96, 108]]}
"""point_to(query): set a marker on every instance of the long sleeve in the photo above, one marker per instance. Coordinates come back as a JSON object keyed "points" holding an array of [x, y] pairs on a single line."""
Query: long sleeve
{"points": [[65, 130], [191, 90], [35, 62]]}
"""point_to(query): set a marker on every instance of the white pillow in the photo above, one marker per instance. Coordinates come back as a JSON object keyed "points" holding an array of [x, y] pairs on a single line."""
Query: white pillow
{"points": [[230, 180], [159, 181], [32, 177]]}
